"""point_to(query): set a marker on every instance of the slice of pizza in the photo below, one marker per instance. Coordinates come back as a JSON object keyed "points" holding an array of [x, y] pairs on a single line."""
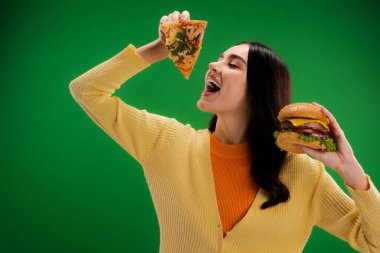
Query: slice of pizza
{"points": [[184, 41]]}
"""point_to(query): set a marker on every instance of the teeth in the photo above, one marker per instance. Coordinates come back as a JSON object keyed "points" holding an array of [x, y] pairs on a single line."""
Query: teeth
{"points": [[214, 83], [212, 86]]}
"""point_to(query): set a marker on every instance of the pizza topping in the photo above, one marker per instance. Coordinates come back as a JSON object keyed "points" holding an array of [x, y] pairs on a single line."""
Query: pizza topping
{"points": [[184, 42], [183, 45]]}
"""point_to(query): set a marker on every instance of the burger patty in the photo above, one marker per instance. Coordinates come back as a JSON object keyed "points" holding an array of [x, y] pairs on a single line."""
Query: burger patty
{"points": [[311, 125], [286, 124]]}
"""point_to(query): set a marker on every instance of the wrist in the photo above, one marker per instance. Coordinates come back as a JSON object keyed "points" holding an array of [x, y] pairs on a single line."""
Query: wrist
{"points": [[353, 175], [153, 52], [161, 49]]}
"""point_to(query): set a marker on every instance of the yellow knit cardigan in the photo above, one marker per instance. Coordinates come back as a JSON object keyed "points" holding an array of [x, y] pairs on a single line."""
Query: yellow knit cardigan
{"points": [[176, 162]]}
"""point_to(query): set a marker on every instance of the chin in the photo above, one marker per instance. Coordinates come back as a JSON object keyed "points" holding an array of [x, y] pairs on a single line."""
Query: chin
{"points": [[202, 106]]}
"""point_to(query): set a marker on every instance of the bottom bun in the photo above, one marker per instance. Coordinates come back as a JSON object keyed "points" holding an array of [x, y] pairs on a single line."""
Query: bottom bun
{"points": [[286, 140]]}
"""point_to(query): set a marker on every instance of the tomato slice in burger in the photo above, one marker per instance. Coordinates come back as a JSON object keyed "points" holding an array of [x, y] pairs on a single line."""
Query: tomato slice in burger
{"points": [[310, 132], [304, 130]]}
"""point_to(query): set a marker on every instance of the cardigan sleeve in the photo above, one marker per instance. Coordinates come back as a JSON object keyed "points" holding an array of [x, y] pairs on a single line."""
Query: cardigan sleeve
{"points": [[139, 132], [355, 220]]}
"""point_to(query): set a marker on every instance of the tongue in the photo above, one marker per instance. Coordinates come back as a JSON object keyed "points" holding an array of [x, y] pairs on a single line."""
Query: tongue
{"points": [[210, 89]]}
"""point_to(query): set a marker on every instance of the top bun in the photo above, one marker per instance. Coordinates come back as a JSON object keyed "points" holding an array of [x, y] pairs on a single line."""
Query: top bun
{"points": [[302, 110]]}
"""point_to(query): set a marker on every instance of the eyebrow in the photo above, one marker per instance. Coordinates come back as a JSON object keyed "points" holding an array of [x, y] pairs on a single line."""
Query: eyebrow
{"points": [[234, 56]]}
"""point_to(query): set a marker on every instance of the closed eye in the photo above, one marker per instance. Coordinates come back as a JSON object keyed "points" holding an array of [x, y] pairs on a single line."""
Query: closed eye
{"points": [[232, 65]]}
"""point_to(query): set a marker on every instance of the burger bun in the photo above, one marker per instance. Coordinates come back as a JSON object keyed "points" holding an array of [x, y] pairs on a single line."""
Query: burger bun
{"points": [[286, 141], [302, 110]]}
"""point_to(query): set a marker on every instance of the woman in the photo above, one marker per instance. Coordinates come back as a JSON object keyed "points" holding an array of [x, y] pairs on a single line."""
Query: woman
{"points": [[229, 188]]}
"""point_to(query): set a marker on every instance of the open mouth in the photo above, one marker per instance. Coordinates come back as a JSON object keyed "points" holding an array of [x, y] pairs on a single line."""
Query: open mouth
{"points": [[212, 86]]}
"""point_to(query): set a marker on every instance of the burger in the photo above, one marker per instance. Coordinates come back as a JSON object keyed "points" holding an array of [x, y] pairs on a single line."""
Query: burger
{"points": [[303, 124]]}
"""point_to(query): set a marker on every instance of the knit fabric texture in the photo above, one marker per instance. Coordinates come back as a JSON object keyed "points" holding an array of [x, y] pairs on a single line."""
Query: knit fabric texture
{"points": [[177, 165]]}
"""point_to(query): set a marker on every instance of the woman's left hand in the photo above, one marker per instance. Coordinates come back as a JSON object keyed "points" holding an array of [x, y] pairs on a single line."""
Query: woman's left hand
{"points": [[343, 161]]}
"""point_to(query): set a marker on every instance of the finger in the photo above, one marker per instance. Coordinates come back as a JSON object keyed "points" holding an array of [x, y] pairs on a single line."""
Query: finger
{"points": [[310, 151], [186, 15], [337, 131], [327, 113], [182, 17], [344, 146], [175, 15], [164, 19]]}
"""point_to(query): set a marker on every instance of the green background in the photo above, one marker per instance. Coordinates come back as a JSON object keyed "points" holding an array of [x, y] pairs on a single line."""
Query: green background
{"points": [[65, 186]]}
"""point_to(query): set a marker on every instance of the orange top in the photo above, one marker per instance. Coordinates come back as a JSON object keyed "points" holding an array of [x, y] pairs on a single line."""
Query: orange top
{"points": [[235, 189]]}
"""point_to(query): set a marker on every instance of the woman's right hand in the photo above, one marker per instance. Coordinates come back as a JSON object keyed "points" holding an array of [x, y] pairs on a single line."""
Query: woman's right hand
{"points": [[174, 16], [156, 50]]}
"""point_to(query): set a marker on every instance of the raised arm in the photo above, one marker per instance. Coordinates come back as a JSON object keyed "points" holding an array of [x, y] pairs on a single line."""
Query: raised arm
{"points": [[139, 132]]}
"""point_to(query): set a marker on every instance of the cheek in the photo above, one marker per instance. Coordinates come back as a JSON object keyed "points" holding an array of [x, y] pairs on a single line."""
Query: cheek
{"points": [[237, 87], [235, 96], [241, 94]]}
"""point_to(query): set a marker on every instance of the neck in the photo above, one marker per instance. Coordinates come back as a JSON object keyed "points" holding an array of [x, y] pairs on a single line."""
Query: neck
{"points": [[231, 129]]}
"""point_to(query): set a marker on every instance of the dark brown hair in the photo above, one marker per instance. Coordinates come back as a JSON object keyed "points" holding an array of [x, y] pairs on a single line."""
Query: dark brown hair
{"points": [[269, 89]]}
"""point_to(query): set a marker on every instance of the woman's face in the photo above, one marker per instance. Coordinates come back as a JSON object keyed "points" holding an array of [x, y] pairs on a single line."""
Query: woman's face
{"points": [[226, 83]]}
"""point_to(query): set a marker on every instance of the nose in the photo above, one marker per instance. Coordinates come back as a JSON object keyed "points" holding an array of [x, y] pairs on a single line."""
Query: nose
{"points": [[213, 66]]}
